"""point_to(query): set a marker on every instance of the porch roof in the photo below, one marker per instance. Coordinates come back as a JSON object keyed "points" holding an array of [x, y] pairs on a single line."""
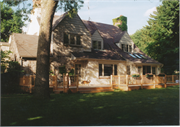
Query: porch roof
{"points": [[95, 54]]}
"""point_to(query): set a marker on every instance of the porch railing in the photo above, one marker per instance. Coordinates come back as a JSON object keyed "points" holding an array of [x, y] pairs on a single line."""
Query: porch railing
{"points": [[70, 81], [125, 80]]}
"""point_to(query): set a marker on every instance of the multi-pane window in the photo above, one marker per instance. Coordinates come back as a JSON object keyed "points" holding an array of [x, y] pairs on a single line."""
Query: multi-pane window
{"points": [[66, 39], [78, 40], [126, 48], [107, 69], [72, 39], [123, 47], [96, 45], [100, 69], [146, 69], [130, 48], [78, 69]]}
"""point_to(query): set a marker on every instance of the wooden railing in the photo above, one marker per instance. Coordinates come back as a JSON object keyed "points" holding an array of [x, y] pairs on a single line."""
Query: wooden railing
{"points": [[142, 80], [70, 81], [27, 83]]}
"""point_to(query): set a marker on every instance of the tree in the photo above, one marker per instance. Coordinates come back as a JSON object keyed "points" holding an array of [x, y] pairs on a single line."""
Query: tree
{"points": [[11, 21], [48, 8], [161, 36]]}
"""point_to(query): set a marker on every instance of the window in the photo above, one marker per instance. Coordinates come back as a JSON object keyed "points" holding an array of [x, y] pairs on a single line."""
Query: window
{"points": [[78, 40], [115, 69], [146, 69], [126, 48], [128, 70], [123, 47], [130, 48], [153, 70], [72, 39], [107, 69], [100, 69], [78, 69], [66, 40], [96, 45]]}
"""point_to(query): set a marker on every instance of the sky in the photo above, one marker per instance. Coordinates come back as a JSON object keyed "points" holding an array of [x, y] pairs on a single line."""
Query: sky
{"points": [[136, 11]]}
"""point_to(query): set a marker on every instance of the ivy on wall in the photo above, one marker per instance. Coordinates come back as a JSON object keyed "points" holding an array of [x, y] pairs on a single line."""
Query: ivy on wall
{"points": [[122, 22]]}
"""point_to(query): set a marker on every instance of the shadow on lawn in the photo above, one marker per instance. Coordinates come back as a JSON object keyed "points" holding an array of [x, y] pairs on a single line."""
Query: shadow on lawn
{"points": [[142, 107]]}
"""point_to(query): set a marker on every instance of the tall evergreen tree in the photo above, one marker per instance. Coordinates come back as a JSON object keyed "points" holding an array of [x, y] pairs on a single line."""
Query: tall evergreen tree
{"points": [[161, 36]]}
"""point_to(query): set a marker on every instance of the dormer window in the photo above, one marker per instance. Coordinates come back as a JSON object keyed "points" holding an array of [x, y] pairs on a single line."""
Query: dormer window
{"points": [[96, 45], [72, 39], [126, 48]]}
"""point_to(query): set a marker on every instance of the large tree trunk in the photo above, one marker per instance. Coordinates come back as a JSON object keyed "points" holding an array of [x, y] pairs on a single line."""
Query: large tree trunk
{"points": [[43, 54]]}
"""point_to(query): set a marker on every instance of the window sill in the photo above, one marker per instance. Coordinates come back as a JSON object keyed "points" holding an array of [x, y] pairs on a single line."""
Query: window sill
{"points": [[104, 77]]}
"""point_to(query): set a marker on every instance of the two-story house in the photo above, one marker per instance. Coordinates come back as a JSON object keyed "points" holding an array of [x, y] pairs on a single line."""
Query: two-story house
{"points": [[94, 50]]}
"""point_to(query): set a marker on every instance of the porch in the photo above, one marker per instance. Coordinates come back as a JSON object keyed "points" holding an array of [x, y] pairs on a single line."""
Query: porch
{"points": [[122, 82]]}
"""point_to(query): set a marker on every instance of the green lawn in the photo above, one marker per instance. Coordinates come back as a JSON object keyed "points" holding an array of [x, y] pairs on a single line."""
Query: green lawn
{"points": [[141, 107]]}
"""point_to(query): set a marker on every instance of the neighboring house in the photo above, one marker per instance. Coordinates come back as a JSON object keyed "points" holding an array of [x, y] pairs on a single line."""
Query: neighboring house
{"points": [[4, 46], [94, 50]]}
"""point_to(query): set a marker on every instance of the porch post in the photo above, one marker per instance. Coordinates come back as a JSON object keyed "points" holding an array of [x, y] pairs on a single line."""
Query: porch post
{"points": [[141, 81], [172, 78], [154, 81], [30, 84], [111, 82], [127, 82], [165, 81]]}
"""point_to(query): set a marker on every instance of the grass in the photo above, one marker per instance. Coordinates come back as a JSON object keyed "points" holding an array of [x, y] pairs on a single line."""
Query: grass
{"points": [[141, 107]]}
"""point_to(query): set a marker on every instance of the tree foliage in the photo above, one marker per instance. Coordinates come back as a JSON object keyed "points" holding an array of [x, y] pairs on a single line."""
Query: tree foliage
{"points": [[160, 39], [11, 21]]}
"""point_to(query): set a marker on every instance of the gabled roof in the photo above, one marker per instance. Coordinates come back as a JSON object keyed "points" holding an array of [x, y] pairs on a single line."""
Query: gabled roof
{"points": [[26, 44], [57, 19]]}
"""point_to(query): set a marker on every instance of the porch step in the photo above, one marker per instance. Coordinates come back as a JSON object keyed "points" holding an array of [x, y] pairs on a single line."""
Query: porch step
{"points": [[95, 91]]}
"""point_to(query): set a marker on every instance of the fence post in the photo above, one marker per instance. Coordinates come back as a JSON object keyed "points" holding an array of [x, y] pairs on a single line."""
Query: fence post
{"points": [[165, 80], [127, 82], [111, 82], [77, 82], [172, 78], [119, 80], [154, 81], [23, 80], [30, 84], [141, 81]]}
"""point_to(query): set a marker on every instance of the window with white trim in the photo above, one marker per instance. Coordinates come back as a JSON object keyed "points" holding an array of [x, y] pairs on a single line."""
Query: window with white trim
{"points": [[107, 69], [126, 48], [72, 39]]}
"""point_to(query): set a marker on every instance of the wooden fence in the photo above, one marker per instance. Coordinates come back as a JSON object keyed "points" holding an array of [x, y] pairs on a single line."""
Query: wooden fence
{"points": [[127, 80], [27, 83]]}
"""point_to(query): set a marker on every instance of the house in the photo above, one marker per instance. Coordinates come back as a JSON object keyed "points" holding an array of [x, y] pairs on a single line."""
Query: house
{"points": [[94, 50]]}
